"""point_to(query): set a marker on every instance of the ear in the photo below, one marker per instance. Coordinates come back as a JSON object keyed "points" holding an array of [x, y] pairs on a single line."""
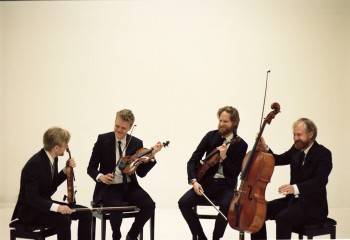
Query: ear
{"points": [[311, 134]]}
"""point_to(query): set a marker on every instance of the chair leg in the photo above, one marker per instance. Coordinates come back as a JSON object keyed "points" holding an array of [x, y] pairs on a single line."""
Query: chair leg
{"points": [[103, 228], [93, 228], [241, 235], [333, 233], [152, 226], [301, 236]]}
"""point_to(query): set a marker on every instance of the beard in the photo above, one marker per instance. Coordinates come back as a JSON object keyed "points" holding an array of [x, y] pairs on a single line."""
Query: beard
{"points": [[299, 144], [223, 131]]}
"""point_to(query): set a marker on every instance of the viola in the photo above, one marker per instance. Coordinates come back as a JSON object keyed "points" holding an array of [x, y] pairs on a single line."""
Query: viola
{"points": [[212, 159], [70, 197], [129, 164], [247, 211]]}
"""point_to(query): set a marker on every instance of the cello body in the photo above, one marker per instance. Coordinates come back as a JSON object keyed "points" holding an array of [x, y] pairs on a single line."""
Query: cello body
{"points": [[247, 210]]}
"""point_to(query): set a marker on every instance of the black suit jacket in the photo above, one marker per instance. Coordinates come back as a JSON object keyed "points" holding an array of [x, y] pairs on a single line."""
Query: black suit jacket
{"points": [[311, 178], [231, 165], [37, 186], [103, 160]]}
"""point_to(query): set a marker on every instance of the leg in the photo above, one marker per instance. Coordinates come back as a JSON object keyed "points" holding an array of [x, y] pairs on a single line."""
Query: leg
{"points": [[139, 197], [223, 197], [59, 221], [84, 224], [273, 208], [113, 197], [186, 204]]}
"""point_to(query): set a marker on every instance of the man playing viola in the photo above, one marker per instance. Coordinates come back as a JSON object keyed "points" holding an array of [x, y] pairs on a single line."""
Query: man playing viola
{"points": [[219, 181], [39, 181], [113, 187]]}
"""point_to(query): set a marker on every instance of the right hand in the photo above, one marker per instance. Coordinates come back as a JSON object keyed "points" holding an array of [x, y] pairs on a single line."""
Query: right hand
{"points": [[64, 209], [107, 179], [262, 146], [198, 188]]}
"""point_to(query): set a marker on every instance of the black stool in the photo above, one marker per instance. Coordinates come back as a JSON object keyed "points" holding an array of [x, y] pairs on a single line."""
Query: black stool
{"points": [[104, 215], [312, 229], [29, 231]]}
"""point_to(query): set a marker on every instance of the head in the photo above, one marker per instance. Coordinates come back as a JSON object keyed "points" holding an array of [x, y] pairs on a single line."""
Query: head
{"points": [[228, 120], [123, 123], [304, 133], [56, 141]]}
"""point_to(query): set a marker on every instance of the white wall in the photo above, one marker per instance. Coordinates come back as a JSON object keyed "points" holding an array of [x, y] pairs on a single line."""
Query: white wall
{"points": [[174, 63]]}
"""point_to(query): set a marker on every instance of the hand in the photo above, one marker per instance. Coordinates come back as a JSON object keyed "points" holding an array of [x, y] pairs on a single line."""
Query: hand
{"points": [[197, 188], [157, 148], [107, 179], [63, 209], [286, 189], [71, 163], [223, 151], [262, 146]]}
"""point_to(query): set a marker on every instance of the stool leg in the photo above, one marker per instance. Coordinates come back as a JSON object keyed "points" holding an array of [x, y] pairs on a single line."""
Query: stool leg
{"points": [[93, 228], [241, 235], [103, 228], [333, 233], [152, 226]]}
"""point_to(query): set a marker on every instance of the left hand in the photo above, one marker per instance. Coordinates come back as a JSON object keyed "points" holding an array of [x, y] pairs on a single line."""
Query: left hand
{"points": [[286, 189], [223, 150], [157, 148], [71, 163]]}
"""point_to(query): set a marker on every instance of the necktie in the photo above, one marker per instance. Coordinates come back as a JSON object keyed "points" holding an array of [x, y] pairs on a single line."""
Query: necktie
{"points": [[125, 183], [301, 159], [52, 169]]}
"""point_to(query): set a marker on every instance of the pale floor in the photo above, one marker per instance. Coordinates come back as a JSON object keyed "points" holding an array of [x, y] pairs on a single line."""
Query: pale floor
{"points": [[169, 225]]}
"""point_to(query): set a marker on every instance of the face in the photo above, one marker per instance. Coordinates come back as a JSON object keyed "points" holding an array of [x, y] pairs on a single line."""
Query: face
{"points": [[225, 124], [121, 128], [60, 150], [302, 139]]}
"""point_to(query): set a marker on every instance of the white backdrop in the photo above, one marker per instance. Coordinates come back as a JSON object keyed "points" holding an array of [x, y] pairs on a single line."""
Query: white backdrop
{"points": [[174, 63]]}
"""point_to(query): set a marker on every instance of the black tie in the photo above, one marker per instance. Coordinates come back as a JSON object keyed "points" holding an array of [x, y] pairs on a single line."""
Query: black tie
{"points": [[301, 159], [125, 182]]}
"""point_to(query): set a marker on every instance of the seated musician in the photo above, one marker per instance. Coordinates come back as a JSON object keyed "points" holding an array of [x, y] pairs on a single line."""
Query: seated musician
{"points": [[39, 181], [113, 187], [305, 196], [219, 181]]}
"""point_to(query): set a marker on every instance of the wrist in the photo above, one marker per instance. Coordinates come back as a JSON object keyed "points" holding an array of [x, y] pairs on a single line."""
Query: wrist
{"points": [[193, 181]]}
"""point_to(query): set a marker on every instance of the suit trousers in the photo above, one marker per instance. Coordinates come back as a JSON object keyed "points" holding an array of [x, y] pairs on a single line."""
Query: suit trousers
{"points": [[221, 192], [63, 223], [116, 194], [287, 212]]}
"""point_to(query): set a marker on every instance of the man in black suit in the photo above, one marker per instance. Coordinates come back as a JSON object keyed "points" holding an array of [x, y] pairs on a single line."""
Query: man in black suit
{"points": [[113, 187], [39, 181], [306, 195], [219, 181]]}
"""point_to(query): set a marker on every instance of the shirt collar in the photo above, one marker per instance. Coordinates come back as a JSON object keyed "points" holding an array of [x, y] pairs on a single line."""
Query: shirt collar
{"points": [[306, 150], [50, 157]]}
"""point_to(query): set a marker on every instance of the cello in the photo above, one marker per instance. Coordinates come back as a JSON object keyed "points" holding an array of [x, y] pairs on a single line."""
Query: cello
{"points": [[247, 211]]}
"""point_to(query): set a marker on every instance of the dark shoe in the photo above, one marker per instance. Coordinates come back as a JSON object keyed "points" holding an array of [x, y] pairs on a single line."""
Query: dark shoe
{"points": [[130, 238]]}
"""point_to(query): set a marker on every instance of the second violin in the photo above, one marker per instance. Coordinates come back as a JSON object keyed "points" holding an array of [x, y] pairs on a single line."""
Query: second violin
{"points": [[129, 164]]}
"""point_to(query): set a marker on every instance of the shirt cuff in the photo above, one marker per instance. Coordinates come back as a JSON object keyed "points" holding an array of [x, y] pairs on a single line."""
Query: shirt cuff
{"points": [[54, 207]]}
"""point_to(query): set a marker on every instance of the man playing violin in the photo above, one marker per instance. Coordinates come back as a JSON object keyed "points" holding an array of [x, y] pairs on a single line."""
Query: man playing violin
{"points": [[220, 180], [113, 186], [39, 181], [305, 196]]}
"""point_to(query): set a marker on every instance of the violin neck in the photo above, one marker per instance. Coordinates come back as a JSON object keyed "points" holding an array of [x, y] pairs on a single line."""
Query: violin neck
{"points": [[145, 153]]}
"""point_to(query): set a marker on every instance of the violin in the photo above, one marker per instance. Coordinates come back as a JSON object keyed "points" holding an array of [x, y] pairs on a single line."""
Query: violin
{"points": [[212, 159], [70, 197], [129, 164], [247, 211]]}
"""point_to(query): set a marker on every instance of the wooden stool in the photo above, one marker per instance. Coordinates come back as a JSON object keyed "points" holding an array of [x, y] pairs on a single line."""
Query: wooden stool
{"points": [[29, 231], [312, 229], [104, 216]]}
